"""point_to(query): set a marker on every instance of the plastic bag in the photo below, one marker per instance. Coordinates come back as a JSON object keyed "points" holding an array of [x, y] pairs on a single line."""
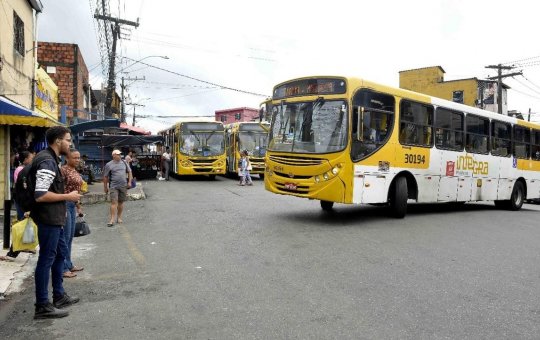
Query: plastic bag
{"points": [[84, 187], [82, 228], [22, 231]]}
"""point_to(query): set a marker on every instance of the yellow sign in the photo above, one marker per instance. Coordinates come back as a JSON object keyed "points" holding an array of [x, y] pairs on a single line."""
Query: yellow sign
{"points": [[46, 94]]}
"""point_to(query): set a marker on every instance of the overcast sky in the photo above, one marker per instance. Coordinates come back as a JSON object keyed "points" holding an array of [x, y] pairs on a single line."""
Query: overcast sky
{"points": [[253, 45]]}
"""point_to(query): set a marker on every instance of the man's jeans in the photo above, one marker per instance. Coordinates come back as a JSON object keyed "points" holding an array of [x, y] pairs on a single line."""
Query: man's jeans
{"points": [[52, 249], [69, 232]]}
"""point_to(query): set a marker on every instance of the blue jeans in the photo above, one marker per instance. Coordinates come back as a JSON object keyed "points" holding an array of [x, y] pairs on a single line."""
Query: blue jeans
{"points": [[69, 232], [52, 248]]}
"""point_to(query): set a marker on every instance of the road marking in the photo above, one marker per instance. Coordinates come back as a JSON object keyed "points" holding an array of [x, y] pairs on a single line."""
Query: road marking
{"points": [[135, 252]]}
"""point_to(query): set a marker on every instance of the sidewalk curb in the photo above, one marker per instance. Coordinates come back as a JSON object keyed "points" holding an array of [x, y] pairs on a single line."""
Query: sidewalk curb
{"points": [[93, 197], [12, 274]]}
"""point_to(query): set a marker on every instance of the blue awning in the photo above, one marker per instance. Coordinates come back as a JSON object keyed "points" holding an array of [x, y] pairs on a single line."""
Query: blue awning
{"points": [[12, 113], [94, 124]]}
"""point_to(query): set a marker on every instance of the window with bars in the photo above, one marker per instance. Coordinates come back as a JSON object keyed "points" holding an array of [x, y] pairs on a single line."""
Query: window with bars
{"points": [[18, 34]]}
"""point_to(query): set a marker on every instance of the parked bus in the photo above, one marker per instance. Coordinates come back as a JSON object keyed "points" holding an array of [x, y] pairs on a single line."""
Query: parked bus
{"points": [[348, 140], [250, 136], [197, 148]]}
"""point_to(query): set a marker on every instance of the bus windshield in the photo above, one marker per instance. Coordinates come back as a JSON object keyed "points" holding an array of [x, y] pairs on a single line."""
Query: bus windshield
{"points": [[254, 142], [309, 127], [202, 143]]}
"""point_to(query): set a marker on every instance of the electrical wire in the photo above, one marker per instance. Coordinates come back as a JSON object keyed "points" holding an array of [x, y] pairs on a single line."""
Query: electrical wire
{"points": [[203, 81]]}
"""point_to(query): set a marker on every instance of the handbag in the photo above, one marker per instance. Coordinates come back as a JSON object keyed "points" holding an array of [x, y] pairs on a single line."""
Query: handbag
{"points": [[25, 235], [82, 228]]}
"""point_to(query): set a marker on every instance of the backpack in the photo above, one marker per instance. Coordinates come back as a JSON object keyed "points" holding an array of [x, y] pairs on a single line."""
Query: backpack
{"points": [[25, 186]]}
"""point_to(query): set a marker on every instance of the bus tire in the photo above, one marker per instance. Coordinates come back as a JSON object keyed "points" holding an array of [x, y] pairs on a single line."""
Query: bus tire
{"points": [[212, 177], [517, 198], [398, 198], [327, 205]]}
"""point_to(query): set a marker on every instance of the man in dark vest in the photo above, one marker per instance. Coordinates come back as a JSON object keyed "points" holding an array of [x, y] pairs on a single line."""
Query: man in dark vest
{"points": [[49, 213]]}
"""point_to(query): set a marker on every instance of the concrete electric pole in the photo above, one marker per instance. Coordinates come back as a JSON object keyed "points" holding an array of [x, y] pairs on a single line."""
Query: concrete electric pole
{"points": [[499, 78], [111, 84]]}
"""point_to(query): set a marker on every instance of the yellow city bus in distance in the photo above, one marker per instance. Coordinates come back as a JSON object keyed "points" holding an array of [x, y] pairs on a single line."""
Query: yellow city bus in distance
{"points": [[348, 140], [250, 136], [197, 148]]}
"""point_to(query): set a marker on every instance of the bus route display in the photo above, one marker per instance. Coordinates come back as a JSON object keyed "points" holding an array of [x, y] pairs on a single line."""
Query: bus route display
{"points": [[305, 87]]}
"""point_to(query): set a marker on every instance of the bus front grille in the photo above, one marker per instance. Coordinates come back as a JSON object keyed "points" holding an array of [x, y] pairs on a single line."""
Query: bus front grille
{"points": [[298, 161]]}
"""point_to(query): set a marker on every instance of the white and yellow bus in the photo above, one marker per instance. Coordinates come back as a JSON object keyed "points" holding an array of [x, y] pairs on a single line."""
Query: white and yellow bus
{"points": [[348, 140], [197, 148], [250, 136]]}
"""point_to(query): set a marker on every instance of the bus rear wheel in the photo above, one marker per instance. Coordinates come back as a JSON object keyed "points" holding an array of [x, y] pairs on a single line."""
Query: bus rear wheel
{"points": [[516, 199], [327, 205], [398, 198]]}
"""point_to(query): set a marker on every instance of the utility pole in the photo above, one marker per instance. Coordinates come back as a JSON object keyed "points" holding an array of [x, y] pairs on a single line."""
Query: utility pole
{"points": [[499, 78], [111, 85], [123, 109], [134, 107]]}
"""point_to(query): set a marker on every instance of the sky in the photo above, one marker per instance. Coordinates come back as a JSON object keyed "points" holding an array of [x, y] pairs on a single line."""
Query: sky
{"points": [[253, 45]]}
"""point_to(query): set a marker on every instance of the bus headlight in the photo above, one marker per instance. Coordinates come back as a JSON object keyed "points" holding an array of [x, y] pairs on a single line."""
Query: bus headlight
{"points": [[317, 179], [335, 170], [325, 176]]}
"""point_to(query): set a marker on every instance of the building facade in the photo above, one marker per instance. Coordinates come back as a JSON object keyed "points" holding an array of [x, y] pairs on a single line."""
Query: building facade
{"points": [[26, 99], [240, 114], [472, 91], [65, 64]]}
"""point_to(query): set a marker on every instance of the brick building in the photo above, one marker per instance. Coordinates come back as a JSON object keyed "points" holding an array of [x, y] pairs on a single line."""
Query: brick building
{"points": [[65, 65], [239, 114]]}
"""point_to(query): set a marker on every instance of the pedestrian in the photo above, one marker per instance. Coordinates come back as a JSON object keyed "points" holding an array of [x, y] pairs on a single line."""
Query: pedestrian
{"points": [[166, 162], [245, 167], [27, 158], [72, 182], [129, 158], [117, 178], [49, 213]]}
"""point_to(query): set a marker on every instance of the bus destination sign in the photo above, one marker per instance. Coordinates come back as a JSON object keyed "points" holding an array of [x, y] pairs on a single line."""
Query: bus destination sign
{"points": [[306, 87]]}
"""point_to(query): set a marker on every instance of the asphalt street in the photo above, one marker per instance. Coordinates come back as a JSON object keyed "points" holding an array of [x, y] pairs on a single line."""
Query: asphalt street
{"points": [[202, 259]]}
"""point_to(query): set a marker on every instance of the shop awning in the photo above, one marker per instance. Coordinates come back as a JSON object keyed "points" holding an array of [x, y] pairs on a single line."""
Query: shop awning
{"points": [[94, 124], [12, 113]]}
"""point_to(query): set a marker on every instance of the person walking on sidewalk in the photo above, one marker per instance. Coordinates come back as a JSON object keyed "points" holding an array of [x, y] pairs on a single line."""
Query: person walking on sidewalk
{"points": [[245, 168], [116, 180], [72, 182], [166, 162], [49, 213], [27, 158]]}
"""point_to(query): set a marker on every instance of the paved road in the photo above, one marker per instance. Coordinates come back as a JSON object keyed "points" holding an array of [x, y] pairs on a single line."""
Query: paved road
{"points": [[205, 259]]}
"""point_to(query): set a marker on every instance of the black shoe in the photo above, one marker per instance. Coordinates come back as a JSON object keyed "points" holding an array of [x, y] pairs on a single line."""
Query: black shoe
{"points": [[49, 312], [65, 301]]}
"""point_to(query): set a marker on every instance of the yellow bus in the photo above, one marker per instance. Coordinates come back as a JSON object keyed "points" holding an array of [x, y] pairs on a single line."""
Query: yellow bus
{"points": [[348, 140], [197, 148], [250, 136]]}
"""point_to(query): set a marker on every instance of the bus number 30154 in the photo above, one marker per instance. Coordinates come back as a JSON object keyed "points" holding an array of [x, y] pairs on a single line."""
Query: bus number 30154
{"points": [[415, 159]]}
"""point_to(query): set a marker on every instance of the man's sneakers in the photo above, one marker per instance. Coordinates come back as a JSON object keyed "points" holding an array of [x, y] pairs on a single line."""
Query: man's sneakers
{"points": [[49, 312], [64, 301]]}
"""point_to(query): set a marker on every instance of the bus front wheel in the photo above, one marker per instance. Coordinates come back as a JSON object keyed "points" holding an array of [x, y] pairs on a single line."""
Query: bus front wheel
{"points": [[327, 205], [398, 198]]}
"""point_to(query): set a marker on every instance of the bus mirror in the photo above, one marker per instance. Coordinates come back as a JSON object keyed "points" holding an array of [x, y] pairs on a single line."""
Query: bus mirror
{"points": [[264, 126]]}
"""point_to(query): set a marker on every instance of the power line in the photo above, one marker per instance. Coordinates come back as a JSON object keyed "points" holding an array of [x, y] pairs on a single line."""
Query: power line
{"points": [[520, 60], [204, 81]]}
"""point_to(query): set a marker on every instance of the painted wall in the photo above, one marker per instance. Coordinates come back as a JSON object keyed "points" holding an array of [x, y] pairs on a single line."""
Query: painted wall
{"points": [[17, 71]]}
